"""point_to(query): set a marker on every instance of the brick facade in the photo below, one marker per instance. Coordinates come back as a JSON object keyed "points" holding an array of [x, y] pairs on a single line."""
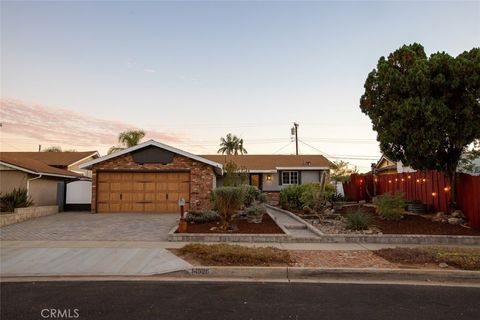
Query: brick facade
{"points": [[202, 176]]}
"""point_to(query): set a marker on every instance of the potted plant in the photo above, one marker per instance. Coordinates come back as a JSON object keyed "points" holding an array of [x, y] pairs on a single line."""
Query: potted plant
{"points": [[255, 213]]}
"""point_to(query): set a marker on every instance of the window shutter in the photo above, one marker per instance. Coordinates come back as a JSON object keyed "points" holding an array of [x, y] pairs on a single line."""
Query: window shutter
{"points": [[299, 175], [280, 178]]}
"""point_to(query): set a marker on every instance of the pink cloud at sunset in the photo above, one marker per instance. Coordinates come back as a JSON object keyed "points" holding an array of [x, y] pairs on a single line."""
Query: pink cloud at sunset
{"points": [[32, 124]]}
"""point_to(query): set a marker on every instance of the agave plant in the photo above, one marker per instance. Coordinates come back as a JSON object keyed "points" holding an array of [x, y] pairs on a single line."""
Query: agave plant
{"points": [[18, 198]]}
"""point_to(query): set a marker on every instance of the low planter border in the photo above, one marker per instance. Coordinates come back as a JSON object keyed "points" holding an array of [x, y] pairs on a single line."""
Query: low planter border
{"points": [[222, 237], [385, 238], [28, 213]]}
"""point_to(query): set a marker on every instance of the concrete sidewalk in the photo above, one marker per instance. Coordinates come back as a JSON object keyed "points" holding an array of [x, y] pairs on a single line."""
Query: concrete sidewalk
{"points": [[175, 245], [65, 261]]}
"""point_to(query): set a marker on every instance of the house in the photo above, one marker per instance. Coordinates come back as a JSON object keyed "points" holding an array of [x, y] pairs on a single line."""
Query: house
{"points": [[40, 172], [387, 166], [271, 173], [151, 177]]}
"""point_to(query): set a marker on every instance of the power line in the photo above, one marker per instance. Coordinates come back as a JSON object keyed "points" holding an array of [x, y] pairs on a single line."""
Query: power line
{"points": [[289, 143]]}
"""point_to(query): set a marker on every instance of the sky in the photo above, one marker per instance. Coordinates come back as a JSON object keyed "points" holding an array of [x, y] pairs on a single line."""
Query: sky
{"points": [[75, 74]]}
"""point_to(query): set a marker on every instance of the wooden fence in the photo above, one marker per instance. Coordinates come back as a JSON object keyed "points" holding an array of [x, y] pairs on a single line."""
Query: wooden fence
{"points": [[429, 187]]}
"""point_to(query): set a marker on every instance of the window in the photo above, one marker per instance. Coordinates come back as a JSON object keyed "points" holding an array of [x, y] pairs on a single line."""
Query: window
{"points": [[290, 177]]}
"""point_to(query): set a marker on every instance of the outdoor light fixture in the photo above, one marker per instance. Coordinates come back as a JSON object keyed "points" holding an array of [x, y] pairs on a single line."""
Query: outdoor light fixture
{"points": [[409, 177], [434, 194], [396, 179], [269, 177], [424, 179], [403, 179], [389, 181], [418, 180], [361, 181], [446, 189]]}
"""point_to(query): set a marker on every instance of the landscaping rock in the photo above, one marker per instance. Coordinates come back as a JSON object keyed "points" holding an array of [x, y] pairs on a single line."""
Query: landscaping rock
{"points": [[440, 217], [443, 265], [455, 221], [458, 214]]}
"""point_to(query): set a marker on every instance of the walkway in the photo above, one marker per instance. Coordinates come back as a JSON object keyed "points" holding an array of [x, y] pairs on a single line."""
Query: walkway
{"points": [[295, 227]]}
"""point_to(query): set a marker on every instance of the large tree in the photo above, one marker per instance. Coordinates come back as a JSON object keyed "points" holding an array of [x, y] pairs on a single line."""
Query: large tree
{"points": [[231, 144], [426, 110], [128, 139]]}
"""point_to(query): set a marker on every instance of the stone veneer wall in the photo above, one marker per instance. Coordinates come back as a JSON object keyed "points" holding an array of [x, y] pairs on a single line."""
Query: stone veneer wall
{"points": [[24, 214], [201, 176]]}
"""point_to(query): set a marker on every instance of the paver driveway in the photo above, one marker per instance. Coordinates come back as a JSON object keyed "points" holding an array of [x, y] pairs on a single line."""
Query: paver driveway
{"points": [[68, 226]]}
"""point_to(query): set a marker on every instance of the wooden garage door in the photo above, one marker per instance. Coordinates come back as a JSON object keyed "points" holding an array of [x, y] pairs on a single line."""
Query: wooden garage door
{"points": [[142, 192]]}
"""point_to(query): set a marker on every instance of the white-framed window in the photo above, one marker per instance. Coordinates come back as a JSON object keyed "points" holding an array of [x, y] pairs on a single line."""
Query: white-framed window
{"points": [[289, 177]]}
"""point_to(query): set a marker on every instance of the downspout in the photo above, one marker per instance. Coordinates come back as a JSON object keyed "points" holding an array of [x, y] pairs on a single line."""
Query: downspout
{"points": [[28, 183]]}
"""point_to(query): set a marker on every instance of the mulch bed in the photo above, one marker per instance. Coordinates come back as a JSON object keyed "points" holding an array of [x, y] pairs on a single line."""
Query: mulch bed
{"points": [[268, 226]]}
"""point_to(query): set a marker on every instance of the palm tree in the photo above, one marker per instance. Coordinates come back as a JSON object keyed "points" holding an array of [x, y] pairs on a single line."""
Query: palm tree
{"points": [[231, 144], [128, 139]]}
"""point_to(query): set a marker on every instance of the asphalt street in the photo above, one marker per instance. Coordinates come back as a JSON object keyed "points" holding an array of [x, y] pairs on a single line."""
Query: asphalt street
{"points": [[233, 300]]}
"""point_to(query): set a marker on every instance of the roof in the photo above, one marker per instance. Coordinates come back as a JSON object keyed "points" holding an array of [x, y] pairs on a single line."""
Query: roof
{"points": [[273, 162], [57, 159], [20, 161], [217, 166]]}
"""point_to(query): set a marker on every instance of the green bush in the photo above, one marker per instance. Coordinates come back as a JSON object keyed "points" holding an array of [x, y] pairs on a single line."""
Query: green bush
{"points": [[290, 197], [227, 201], [17, 198], [358, 220], [257, 209], [390, 206], [299, 196], [309, 195], [202, 217], [252, 194]]}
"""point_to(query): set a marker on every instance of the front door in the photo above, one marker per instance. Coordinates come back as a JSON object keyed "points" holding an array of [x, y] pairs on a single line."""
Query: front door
{"points": [[256, 181]]}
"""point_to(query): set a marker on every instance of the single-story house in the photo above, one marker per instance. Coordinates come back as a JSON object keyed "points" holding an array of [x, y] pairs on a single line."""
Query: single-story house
{"points": [[40, 172], [151, 177], [271, 173]]}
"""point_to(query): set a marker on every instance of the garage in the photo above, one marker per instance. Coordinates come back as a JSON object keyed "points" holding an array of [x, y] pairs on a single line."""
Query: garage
{"points": [[150, 178], [142, 191]]}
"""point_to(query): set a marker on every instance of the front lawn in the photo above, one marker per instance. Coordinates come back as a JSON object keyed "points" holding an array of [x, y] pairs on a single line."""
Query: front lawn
{"points": [[457, 257], [233, 255]]}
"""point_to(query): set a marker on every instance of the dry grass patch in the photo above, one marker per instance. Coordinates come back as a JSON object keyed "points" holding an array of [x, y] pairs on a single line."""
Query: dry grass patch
{"points": [[234, 255], [461, 258]]}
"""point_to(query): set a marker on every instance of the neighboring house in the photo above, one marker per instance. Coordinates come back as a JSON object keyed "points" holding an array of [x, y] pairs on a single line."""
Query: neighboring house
{"points": [[40, 172], [271, 173], [387, 166], [151, 177]]}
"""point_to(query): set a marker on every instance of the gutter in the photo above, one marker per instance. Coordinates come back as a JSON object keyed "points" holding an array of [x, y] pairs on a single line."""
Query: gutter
{"points": [[28, 183]]}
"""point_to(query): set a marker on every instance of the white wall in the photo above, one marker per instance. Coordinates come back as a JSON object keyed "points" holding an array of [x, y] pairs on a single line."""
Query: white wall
{"points": [[79, 192]]}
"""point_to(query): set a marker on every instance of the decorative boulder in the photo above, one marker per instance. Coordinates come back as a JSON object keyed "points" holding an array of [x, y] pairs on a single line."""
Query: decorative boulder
{"points": [[458, 214], [455, 221]]}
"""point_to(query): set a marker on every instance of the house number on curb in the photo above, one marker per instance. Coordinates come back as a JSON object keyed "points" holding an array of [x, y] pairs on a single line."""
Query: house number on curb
{"points": [[200, 271]]}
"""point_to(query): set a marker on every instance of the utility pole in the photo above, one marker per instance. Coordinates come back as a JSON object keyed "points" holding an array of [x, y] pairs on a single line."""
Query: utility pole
{"points": [[39, 147], [294, 131]]}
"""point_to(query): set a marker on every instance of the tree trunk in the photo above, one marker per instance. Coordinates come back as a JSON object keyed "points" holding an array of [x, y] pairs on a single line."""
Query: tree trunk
{"points": [[452, 174]]}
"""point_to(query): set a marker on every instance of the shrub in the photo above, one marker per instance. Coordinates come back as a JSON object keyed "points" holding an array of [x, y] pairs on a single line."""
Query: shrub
{"points": [[309, 194], [202, 217], [235, 255], [227, 200], [390, 206], [252, 194], [290, 197], [17, 198], [330, 193], [358, 220], [299, 196], [257, 209]]}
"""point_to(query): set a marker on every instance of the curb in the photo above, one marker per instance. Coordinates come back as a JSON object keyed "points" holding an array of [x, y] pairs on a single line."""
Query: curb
{"points": [[323, 274]]}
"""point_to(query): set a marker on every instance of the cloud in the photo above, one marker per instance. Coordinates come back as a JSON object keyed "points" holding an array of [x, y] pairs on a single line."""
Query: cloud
{"points": [[150, 70], [54, 126]]}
